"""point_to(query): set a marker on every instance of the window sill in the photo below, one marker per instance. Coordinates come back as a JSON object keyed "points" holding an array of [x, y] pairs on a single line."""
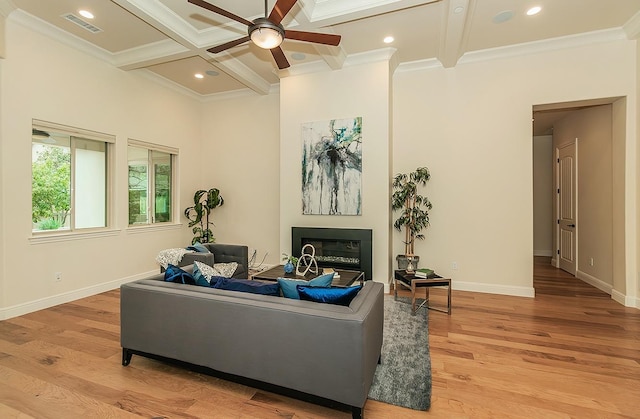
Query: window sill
{"points": [[41, 238], [148, 228]]}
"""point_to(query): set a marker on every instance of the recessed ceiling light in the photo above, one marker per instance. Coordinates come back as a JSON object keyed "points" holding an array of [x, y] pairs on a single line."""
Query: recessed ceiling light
{"points": [[86, 13], [212, 73], [503, 16], [388, 39], [298, 56], [534, 10], [458, 10], [198, 76]]}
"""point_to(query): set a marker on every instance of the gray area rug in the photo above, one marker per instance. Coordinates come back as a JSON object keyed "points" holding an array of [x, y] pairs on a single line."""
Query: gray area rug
{"points": [[404, 376]]}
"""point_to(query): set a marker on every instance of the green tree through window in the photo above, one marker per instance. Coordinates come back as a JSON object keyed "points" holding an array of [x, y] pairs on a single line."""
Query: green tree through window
{"points": [[51, 187]]}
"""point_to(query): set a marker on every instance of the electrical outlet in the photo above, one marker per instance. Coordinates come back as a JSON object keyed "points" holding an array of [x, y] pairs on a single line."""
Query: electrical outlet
{"points": [[454, 266], [57, 276]]}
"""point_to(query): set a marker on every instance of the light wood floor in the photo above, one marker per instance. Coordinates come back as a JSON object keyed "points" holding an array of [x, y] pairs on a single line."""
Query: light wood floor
{"points": [[570, 352]]}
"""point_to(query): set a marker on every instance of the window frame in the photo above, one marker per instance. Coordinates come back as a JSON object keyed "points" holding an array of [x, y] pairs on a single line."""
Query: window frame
{"points": [[174, 158], [73, 232]]}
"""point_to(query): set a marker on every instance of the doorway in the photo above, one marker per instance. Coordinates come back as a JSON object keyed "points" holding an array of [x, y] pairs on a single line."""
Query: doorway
{"points": [[586, 143]]}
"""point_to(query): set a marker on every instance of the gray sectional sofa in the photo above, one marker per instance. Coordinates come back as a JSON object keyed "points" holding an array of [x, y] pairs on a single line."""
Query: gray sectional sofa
{"points": [[327, 351]]}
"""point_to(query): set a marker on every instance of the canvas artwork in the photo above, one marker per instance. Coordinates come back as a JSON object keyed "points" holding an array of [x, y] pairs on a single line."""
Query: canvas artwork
{"points": [[332, 167]]}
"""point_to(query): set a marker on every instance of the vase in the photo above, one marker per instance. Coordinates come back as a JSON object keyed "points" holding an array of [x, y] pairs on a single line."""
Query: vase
{"points": [[288, 267]]}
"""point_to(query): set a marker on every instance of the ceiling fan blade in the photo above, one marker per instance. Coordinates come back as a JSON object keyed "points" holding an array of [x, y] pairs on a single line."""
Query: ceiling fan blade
{"points": [[227, 45], [318, 38], [281, 60], [216, 9], [280, 10]]}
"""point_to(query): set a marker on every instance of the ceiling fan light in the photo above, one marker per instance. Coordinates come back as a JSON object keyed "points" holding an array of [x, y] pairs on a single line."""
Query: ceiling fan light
{"points": [[266, 38], [266, 34]]}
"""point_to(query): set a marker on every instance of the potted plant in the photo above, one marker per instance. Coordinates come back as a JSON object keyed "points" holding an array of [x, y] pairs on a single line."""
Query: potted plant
{"points": [[414, 212], [290, 263], [198, 215]]}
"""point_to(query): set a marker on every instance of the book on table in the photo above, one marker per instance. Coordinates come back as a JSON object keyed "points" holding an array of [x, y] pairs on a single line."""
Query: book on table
{"points": [[423, 273], [335, 273]]}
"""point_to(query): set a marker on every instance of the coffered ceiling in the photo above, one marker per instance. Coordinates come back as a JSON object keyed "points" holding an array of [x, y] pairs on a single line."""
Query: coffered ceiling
{"points": [[169, 38]]}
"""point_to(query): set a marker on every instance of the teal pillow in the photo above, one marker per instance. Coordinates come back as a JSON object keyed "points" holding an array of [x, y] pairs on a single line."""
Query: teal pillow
{"points": [[175, 274], [288, 286], [329, 295], [198, 247]]}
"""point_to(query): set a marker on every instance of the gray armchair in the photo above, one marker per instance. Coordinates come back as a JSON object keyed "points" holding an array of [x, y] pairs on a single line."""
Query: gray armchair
{"points": [[222, 253]]}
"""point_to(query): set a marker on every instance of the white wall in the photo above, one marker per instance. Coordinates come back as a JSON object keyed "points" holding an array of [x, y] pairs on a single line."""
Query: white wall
{"points": [[471, 125], [543, 195], [45, 80], [241, 157], [592, 127], [359, 90]]}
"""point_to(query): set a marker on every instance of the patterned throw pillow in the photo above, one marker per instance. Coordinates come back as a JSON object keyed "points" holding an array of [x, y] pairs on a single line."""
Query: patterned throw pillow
{"points": [[225, 269], [203, 274]]}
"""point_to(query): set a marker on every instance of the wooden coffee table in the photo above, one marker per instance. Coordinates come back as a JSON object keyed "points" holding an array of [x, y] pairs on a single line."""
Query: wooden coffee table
{"points": [[412, 283], [346, 277]]}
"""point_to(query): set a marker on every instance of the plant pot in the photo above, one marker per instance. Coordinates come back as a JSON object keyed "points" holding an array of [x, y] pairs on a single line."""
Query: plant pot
{"points": [[403, 262]]}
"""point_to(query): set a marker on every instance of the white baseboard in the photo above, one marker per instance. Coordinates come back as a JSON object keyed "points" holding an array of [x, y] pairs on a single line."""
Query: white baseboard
{"points": [[548, 253], [54, 300], [494, 289], [592, 280], [625, 300]]}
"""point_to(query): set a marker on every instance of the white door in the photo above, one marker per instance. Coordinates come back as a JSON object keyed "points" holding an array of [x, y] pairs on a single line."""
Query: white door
{"points": [[567, 229]]}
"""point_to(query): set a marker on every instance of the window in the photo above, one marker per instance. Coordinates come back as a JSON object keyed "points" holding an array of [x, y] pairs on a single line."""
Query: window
{"points": [[151, 183], [69, 179]]}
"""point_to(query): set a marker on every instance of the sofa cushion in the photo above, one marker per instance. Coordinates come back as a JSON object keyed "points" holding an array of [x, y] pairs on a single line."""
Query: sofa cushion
{"points": [[246, 285], [330, 295], [175, 274], [288, 286]]}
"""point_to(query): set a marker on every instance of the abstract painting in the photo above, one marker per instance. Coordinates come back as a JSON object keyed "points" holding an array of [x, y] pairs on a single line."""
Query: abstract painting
{"points": [[332, 167]]}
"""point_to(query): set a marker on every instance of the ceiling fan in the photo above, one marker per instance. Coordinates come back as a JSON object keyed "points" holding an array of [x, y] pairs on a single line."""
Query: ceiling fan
{"points": [[267, 32]]}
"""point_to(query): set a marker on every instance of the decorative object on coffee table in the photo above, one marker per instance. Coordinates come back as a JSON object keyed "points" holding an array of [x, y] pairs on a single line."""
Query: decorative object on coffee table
{"points": [[290, 263], [308, 259], [198, 215], [414, 216]]}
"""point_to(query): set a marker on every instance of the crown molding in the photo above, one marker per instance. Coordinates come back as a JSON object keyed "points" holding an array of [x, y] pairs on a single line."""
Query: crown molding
{"points": [[528, 48], [156, 78], [6, 7], [40, 26], [632, 27], [144, 54]]}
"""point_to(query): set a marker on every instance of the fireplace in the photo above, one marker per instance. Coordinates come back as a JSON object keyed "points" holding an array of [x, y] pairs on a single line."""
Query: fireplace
{"points": [[339, 248]]}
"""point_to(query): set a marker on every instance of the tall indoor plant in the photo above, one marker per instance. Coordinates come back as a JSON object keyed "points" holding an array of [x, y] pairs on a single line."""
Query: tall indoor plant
{"points": [[414, 210], [198, 215]]}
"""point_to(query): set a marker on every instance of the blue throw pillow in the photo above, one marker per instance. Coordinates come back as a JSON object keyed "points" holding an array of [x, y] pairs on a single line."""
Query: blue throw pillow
{"points": [[288, 286], [246, 285], [175, 274], [330, 295], [198, 247]]}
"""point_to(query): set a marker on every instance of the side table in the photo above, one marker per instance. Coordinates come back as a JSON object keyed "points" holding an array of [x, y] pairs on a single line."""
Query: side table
{"points": [[409, 281]]}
